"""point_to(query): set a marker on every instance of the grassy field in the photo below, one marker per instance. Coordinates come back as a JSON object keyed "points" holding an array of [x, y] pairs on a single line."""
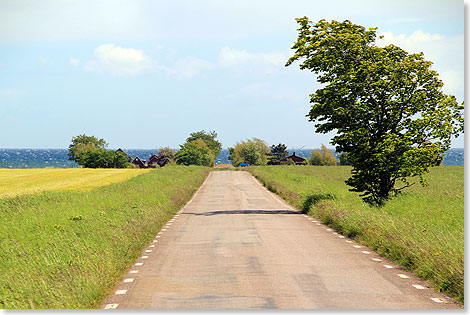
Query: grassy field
{"points": [[15, 182], [422, 229], [68, 249]]}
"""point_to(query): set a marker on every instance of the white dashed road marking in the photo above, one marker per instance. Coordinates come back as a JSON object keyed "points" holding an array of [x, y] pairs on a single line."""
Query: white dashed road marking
{"points": [[134, 271], [341, 236], [388, 266], [365, 252], [129, 280], [357, 246], [403, 276], [437, 300], [348, 241], [110, 306], [419, 287], [121, 292], [144, 257], [376, 259], [139, 264], [148, 250]]}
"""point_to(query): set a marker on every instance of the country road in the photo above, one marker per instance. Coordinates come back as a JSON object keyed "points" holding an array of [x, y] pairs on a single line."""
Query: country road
{"points": [[236, 245]]}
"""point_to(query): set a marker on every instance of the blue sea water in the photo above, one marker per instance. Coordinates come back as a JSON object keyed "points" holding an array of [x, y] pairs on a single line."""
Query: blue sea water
{"points": [[57, 158]]}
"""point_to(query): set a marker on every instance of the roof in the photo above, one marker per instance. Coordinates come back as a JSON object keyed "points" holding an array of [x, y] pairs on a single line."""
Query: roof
{"points": [[296, 158]]}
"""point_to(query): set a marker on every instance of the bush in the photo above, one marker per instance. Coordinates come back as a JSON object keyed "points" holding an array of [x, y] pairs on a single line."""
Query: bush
{"points": [[323, 157]]}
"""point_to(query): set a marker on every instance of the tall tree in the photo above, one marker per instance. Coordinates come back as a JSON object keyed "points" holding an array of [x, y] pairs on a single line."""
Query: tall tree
{"points": [[278, 154], [387, 106], [84, 142]]}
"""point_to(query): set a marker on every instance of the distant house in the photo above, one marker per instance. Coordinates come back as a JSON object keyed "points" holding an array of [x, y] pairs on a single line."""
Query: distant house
{"points": [[297, 159], [129, 158], [138, 162], [160, 160], [153, 160]]}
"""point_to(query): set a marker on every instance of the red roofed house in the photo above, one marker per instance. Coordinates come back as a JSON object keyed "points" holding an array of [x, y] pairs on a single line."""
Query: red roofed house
{"points": [[296, 159]]}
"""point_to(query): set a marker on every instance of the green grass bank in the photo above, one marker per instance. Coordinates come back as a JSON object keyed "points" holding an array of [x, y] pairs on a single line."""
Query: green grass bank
{"points": [[422, 229], [69, 249]]}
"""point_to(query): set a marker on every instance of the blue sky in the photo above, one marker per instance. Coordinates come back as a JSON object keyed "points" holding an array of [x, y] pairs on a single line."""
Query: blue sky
{"points": [[144, 74]]}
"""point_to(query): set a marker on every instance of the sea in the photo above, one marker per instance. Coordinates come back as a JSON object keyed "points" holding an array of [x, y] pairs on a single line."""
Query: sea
{"points": [[58, 158]]}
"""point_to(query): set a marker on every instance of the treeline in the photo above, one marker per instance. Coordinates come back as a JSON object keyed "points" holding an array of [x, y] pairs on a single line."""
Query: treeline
{"points": [[200, 148], [256, 152]]}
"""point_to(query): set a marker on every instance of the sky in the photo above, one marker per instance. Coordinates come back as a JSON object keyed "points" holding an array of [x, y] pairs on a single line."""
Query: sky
{"points": [[145, 74]]}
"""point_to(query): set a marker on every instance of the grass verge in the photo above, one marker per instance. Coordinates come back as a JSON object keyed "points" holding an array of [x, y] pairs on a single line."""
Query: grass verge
{"points": [[422, 229], [69, 249]]}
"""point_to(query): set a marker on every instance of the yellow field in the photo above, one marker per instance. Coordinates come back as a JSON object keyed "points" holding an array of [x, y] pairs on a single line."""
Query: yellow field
{"points": [[15, 182]]}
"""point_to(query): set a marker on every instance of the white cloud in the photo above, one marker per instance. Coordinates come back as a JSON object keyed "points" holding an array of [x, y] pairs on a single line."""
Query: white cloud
{"points": [[412, 41], [267, 91], [74, 62], [119, 61], [229, 57]]}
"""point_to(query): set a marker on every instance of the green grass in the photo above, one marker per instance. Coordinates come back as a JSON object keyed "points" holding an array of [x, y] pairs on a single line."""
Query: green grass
{"points": [[422, 229], [16, 182], [69, 249]]}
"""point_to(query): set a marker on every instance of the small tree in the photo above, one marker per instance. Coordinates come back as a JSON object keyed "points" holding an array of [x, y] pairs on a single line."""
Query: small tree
{"points": [[323, 157], [252, 151], [387, 106], [278, 154], [84, 142]]}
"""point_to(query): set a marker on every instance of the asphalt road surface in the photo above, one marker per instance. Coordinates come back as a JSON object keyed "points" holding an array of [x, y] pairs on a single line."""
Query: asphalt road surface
{"points": [[236, 245]]}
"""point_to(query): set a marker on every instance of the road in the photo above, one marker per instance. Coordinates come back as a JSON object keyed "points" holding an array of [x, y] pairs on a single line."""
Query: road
{"points": [[236, 245]]}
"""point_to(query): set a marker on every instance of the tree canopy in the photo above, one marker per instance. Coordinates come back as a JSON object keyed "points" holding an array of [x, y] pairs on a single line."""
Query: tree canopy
{"points": [[278, 154], [252, 151], [102, 158], [84, 142], [195, 152], [209, 138], [386, 105], [91, 152]]}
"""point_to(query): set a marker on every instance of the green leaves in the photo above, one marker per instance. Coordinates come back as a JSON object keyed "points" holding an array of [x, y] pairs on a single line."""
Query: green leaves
{"points": [[391, 116]]}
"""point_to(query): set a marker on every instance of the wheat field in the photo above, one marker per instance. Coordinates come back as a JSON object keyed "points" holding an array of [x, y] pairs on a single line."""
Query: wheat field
{"points": [[17, 182]]}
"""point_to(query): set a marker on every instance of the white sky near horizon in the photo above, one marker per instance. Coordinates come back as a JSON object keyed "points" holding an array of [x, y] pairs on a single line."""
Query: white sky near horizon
{"points": [[144, 74]]}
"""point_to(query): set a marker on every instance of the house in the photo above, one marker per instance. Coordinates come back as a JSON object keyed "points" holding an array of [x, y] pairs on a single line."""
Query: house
{"points": [[129, 158], [154, 159], [161, 160], [297, 159], [138, 162]]}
